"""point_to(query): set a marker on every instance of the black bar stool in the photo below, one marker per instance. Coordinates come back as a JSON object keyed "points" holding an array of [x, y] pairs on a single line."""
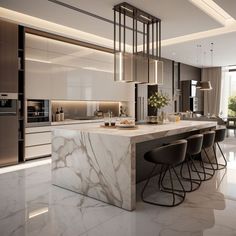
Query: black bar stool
{"points": [[194, 147], [219, 137], [208, 142], [167, 156]]}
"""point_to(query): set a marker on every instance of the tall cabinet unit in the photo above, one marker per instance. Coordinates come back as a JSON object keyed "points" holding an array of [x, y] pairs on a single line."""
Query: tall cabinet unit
{"points": [[8, 57], [9, 93], [21, 92]]}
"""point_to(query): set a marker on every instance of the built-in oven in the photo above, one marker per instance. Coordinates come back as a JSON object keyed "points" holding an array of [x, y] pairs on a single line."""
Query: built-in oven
{"points": [[38, 112], [8, 104]]}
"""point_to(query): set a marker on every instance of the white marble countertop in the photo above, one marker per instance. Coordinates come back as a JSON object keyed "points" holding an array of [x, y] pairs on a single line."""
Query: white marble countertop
{"points": [[145, 132]]}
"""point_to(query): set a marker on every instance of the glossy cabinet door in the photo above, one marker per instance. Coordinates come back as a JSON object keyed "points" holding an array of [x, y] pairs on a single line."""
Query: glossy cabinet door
{"points": [[8, 57], [58, 70]]}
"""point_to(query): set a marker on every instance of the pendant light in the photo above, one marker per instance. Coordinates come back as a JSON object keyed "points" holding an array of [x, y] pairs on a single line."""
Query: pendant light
{"points": [[206, 85], [141, 64], [199, 47]]}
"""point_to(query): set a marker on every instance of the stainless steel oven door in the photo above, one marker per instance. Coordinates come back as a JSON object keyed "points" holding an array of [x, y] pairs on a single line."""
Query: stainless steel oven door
{"points": [[38, 112], [8, 104]]}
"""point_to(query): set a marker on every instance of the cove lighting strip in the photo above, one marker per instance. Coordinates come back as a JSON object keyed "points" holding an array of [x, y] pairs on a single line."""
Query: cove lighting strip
{"points": [[214, 10], [51, 27], [208, 6]]}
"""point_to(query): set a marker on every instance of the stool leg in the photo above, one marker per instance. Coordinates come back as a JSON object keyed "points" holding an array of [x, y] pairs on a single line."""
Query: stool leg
{"points": [[172, 190], [172, 187], [212, 167], [190, 178], [205, 174], [222, 165], [147, 182], [160, 183]]}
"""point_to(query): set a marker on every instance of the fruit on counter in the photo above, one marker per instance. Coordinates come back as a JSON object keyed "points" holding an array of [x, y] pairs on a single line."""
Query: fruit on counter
{"points": [[127, 122]]}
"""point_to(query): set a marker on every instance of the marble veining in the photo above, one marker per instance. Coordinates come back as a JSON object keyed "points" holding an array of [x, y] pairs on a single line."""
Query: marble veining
{"points": [[100, 162], [96, 165], [211, 210]]}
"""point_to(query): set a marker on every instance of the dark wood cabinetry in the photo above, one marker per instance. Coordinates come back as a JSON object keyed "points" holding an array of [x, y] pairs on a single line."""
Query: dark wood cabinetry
{"points": [[191, 98], [21, 91], [12, 78], [8, 57]]}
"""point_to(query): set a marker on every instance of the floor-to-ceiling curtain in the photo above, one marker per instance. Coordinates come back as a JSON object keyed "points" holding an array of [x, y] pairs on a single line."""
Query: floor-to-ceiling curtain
{"points": [[212, 97], [225, 91]]}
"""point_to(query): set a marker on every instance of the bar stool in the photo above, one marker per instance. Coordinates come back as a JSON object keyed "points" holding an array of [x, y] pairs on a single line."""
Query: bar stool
{"points": [[219, 137], [168, 157], [208, 142], [194, 147]]}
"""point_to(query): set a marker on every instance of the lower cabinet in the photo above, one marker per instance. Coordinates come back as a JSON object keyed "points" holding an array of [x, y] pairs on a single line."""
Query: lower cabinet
{"points": [[38, 142], [38, 151]]}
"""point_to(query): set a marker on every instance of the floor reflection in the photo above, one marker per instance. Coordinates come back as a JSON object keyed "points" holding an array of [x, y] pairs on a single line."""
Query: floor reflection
{"points": [[30, 205]]}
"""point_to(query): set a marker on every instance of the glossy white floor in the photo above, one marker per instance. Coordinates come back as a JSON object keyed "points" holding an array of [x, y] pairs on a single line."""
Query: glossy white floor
{"points": [[30, 205]]}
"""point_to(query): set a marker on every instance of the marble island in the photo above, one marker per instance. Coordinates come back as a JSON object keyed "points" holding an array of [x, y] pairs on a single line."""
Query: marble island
{"points": [[102, 163]]}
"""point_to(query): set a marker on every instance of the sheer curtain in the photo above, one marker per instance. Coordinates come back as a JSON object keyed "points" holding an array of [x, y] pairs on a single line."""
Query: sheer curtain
{"points": [[225, 91], [212, 97]]}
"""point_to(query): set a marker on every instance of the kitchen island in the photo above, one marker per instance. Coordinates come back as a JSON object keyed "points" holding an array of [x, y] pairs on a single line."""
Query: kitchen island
{"points": [[101, 162]]}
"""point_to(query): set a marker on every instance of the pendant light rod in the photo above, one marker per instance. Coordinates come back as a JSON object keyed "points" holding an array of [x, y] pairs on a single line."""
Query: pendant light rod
{"points": [[142, 66], [212, 45]]}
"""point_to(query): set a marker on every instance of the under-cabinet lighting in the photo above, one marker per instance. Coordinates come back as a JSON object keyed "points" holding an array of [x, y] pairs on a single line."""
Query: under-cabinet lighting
{"points": [[38, 212], [38, 60]]}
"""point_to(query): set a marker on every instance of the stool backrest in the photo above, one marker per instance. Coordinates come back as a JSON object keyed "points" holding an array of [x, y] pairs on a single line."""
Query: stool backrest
{"points": [[171, 154], [194, 144], [208, 139], [220, 134]]}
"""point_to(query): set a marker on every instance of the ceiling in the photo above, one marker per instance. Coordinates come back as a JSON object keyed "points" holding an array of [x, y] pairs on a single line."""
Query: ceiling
{"points": [[180, 20]]}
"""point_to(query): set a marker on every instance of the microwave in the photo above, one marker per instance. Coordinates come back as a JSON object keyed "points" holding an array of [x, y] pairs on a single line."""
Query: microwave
{"points": [[38, 112]]}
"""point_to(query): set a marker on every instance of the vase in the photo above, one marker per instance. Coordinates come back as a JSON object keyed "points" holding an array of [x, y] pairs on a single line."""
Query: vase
{"points": [[152, 119], [161, 118]]}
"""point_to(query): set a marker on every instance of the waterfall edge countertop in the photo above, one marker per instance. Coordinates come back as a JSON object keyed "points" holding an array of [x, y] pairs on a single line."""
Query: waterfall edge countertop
{"points": [[145, 132], [101, 162]]}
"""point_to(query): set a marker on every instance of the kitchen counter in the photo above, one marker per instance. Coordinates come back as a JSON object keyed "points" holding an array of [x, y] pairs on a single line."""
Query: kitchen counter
{"points": [[101, 162]]}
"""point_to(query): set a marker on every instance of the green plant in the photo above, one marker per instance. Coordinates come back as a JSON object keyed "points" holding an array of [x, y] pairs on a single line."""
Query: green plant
{"points": [[232, 105], [158, 100]]}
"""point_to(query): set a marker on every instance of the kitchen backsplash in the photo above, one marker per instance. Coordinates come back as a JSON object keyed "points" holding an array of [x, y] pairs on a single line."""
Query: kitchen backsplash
{"points": [[84, 109]]}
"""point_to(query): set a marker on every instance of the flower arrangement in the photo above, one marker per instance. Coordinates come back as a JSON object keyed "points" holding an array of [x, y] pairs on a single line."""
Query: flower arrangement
{"points": [[158, 100]]}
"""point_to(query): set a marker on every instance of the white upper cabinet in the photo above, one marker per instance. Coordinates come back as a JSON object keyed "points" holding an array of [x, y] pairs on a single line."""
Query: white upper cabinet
{"points": [[58, 70]]}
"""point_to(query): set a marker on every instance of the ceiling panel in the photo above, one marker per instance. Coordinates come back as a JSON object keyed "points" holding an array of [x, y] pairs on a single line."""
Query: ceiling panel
{"points": [[224, 51], [179, 17], [228, 5]]}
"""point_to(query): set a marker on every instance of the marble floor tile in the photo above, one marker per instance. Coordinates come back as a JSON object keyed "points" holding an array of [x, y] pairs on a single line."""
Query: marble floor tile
{"points": [[31, 206]]}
